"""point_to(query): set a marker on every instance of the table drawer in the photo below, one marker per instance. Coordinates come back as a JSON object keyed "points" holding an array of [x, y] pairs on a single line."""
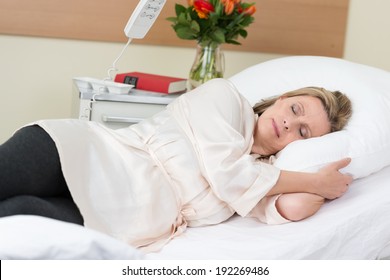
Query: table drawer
{"points": [[121, 114]]}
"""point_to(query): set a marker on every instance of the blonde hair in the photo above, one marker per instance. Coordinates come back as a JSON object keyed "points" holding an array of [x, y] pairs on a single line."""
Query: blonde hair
{"points": [[336, 104]]}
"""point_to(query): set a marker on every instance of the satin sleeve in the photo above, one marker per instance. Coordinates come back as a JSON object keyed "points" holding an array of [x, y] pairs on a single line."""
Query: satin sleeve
{"points": [[266, 211]]}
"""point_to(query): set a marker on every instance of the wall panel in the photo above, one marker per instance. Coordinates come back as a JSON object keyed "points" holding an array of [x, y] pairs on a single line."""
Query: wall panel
{"points": [[309, 27]]}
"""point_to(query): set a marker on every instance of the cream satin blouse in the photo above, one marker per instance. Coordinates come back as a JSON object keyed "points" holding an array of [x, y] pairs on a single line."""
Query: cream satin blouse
{"points": [[189, 165]]}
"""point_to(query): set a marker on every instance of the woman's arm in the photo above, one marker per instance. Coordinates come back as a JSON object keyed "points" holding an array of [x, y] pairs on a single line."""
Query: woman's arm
{"points": [[328, 182], [299, 195], [298, 206]]}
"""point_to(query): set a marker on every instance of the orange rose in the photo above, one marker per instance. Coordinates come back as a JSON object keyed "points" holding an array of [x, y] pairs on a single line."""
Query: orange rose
{"points": [[248, 11], [229, 5], [203, 8]]}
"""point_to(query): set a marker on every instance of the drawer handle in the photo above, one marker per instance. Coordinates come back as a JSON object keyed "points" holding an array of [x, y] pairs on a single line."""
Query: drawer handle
{"points": [[106, 118]]}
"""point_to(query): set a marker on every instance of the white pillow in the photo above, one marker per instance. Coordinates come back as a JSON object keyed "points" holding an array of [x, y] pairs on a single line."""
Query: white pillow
{"points": [[34, 237], [366, 139]]}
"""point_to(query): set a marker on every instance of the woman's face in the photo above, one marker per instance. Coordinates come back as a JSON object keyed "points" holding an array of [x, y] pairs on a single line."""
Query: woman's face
{"points": [[289, 119]]}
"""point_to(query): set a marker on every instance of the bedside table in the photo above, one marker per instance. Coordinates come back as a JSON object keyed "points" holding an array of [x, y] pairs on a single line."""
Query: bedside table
{"points": [[120, 110]]}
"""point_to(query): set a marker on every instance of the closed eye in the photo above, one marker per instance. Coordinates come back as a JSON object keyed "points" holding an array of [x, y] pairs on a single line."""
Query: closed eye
{"points": [[303, 131], [296, 109]]}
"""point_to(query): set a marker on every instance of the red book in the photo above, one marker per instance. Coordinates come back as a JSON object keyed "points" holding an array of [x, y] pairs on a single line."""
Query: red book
{"points": [[152, 82]]}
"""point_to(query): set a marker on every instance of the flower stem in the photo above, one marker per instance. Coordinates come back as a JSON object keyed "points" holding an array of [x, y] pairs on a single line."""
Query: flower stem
{"points": [[207, 65]]}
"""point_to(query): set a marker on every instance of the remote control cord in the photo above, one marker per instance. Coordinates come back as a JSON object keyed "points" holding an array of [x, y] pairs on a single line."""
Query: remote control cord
{"points": [[113, 67]]}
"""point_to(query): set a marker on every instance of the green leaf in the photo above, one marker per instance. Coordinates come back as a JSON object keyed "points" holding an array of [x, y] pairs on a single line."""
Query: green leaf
{"points": [[218, 35], [179, 9], [247, 21], [185, 33], [182, 19], [233, 42], [195, 26], [172, 19], [218, 9], [243, 33], [213, 18]]}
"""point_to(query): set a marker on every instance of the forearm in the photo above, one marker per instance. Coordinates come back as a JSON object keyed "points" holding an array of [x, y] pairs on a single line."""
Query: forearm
{"points": [[328, 182], [295, 182], [298, 206]]}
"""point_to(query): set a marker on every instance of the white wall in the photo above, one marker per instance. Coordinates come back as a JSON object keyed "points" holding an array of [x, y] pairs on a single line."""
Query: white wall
{"points": [[368, 33], [36, 73]]}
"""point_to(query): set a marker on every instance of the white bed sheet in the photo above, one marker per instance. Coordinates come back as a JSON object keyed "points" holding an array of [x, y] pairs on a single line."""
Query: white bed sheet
{"points": [[355, 226], [25, 237]]}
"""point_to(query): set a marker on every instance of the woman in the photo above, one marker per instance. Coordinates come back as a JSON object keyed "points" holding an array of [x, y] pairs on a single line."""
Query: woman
{"points": [[282, 208], [193, 164]]}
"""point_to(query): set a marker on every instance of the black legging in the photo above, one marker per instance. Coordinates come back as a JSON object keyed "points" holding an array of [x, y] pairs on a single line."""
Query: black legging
{"points": [[31, 180]]}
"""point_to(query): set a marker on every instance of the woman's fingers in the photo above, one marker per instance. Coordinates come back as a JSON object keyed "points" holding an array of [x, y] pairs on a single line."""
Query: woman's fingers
{"points": [[337, 165], [335, 183]]}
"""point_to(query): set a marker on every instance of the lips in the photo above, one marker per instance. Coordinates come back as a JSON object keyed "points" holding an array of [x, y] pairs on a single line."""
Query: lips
{"points": [[275, 128]]}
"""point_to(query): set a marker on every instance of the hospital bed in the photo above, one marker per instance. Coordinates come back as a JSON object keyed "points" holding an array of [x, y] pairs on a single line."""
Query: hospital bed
{"points": [[354, 226]]}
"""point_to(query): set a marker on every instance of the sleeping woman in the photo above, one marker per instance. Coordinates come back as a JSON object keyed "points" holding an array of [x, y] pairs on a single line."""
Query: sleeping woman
{"points": [[198, 162]]}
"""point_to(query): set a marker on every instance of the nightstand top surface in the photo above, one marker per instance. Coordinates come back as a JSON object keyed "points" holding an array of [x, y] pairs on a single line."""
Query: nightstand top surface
{"points": [[134, 96]]}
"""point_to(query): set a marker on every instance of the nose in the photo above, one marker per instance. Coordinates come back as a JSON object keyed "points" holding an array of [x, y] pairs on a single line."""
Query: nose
{"points": [[289, 125], [286, 125]]}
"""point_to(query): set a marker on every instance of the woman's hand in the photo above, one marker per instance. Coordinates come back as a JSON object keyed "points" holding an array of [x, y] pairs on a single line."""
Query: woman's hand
{"points": [[332, 183]]}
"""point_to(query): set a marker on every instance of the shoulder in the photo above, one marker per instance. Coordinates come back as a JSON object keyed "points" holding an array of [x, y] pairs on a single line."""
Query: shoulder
{"points": [[217, 94], [218, 104], [215, 88]]}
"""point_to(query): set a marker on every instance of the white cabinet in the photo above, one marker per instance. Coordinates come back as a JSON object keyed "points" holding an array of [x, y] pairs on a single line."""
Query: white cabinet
{"points": [[117, 111]]}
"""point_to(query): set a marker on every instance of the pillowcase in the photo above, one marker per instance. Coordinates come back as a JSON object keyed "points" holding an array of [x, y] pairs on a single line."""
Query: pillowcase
{"points": [[366, 138]]}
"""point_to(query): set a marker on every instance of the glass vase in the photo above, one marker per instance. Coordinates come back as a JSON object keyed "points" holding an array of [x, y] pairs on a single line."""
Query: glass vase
{"points": [[209, 64]]}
